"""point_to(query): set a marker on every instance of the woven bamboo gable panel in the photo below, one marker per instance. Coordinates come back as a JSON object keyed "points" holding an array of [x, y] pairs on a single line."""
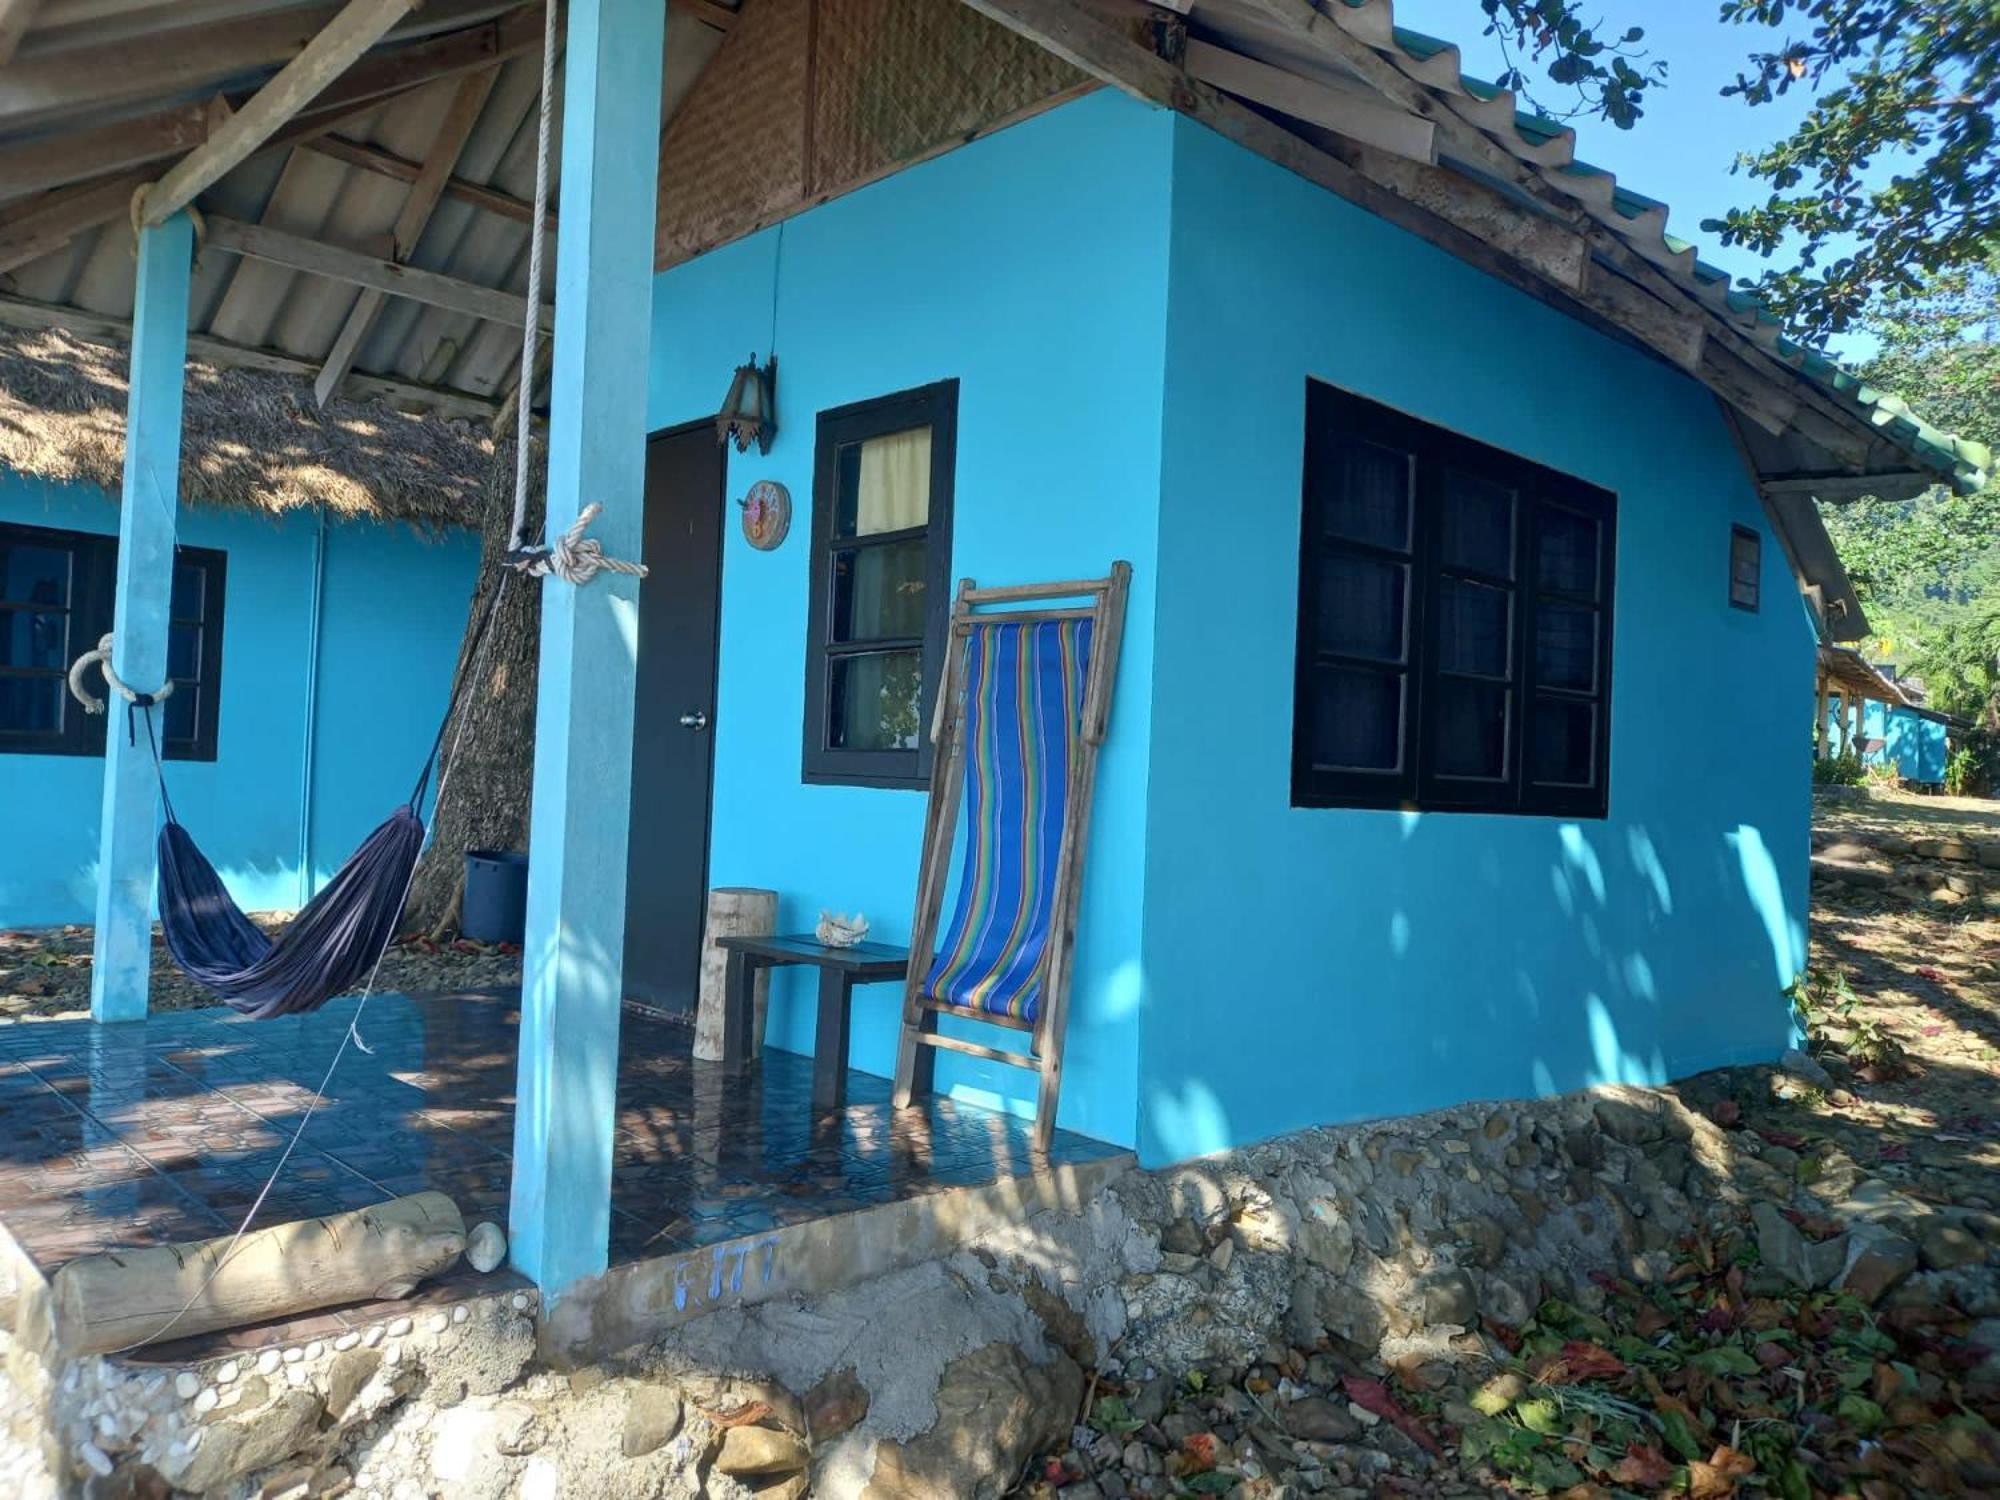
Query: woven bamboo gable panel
{"points": [[810, 98]]}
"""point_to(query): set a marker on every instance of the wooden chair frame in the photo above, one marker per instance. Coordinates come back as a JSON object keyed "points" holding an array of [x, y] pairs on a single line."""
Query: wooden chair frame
{"points": [[916, 1055]]}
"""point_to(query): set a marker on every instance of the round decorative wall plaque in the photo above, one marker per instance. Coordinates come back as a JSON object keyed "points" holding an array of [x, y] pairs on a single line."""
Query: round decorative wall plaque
{"points": [[767, 514]]}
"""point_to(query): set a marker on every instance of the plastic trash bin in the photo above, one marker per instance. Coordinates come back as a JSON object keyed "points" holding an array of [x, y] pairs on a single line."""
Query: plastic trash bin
{"points": [[496, 896]]}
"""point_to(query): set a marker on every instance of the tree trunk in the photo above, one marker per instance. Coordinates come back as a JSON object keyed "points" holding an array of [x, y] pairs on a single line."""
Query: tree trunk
{"points": [[487, 779]]}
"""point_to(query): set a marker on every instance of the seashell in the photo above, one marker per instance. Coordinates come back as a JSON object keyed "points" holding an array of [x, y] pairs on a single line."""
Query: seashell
{"points": [[836, 930]]}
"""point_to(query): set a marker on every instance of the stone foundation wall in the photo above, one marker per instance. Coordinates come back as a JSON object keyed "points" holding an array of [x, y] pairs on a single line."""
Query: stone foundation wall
{"points": [[1381, 1243]]}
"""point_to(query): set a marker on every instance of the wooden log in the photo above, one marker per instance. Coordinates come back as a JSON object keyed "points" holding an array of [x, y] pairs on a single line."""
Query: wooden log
{"points": [[733, 911], [122, 1297]]}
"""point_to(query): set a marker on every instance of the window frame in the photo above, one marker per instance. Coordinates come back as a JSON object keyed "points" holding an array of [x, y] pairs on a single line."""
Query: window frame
{"points": [[935, 406], [92, 609], [1741, 533], [1416, 784]]}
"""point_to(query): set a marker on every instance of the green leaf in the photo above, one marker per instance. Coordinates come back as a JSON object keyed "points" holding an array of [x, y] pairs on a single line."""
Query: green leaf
{"points": [[1214, 1482], [1726, 1359], [1680, 1437], [1858, 1411], [1540, 1415]]}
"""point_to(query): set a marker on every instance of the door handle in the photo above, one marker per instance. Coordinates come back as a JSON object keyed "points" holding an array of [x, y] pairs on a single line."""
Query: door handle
{"points": [[695, 719]]}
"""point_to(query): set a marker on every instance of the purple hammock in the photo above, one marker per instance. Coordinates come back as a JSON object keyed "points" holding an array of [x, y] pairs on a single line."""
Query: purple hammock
{"points": [[334, 941]]}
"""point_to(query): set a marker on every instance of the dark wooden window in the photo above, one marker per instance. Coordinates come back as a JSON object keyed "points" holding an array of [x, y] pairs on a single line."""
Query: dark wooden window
{"points": [[1454, 646], [881, 586], [1746, 568], [57, 594]]}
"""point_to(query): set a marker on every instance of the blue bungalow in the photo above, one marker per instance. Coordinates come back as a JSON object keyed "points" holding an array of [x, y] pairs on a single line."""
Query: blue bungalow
{"points": [[295, 532], [1435, 459], [1865, 711]]}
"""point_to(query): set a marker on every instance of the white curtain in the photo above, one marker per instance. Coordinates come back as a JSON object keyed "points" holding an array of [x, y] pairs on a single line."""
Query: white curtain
{"points": [[895, 482]]}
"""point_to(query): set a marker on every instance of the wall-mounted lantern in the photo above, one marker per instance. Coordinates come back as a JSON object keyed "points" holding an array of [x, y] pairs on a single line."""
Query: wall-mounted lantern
{"points": [[750, 412]]}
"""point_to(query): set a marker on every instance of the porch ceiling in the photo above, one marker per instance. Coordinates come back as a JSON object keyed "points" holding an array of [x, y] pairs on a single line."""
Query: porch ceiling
{"points": [[100, 96]]}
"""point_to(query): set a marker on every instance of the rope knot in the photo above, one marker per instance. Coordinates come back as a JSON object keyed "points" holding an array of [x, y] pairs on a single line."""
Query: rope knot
{"points": [[574, 557], [101, 659]]}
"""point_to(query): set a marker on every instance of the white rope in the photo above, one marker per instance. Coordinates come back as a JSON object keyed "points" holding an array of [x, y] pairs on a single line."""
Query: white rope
{"points": [[101, 659], [574, 558], [531, 332]]}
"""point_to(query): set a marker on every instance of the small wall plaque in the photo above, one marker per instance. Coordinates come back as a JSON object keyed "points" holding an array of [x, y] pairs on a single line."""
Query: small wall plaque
{"points": [[767, 514]]}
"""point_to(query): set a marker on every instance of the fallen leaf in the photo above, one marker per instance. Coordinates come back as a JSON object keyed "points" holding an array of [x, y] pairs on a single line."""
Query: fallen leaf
{"points": [[1198, 1452], [1644, 1464], [1717, 1478]]}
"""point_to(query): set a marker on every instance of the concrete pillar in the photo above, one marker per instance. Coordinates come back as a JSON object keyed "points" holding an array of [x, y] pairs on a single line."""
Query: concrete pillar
{"points": [[126, 862], [561, 1210]]}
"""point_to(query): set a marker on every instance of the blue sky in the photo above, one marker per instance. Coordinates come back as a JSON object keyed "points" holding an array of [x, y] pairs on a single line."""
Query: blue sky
{"points": [[1682, 149]]}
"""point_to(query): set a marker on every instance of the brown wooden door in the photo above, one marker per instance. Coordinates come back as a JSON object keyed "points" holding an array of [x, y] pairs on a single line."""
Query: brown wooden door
{"points": [[673, 731]]}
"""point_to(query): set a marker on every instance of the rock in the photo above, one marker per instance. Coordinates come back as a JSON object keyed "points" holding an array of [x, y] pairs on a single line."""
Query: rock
{"points": [[996, 1410], [1183, 1237], [229, 1450], [517, 1429], [1450, 1297], [759, 1450], [1622, 1120], [652, 1415], [1946, 1246], [1876, 1260], [835, 1405], [466, 1460], [1804, 1066], [793, 1487], [1150, 1403], [346, 1376], [1317, 1420], [1956, 850], [486, 1247], [1989, 854], [1800, 1261]]}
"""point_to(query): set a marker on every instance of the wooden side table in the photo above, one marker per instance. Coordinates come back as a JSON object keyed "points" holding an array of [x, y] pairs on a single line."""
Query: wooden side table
{"points": [[840, 970]]}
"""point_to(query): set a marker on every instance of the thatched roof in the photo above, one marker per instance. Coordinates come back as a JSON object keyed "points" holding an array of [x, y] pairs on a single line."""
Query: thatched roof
{"points": [[249, 439]]}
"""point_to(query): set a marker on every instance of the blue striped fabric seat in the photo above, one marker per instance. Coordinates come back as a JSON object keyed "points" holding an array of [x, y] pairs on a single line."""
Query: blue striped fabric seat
{"points": [[1023, 726]]}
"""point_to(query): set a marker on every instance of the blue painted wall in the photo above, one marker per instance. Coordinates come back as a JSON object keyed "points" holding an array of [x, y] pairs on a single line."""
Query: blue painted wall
{"points": [[1032, 266], [1320, 965], [394, 609]]}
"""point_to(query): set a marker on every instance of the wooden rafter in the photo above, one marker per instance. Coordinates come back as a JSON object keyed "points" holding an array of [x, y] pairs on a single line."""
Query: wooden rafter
{"points": [[418, 206], [49, 222], [388, 164], [21, 312], [329, 54], [235, 237], [16, 16], [173, 131]]}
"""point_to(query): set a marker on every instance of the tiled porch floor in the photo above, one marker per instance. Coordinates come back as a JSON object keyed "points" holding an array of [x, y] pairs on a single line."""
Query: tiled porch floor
{"points": [[166, 1129]]}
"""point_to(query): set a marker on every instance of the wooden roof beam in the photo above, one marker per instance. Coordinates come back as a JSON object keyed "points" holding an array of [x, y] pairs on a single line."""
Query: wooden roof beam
{"points": [[170, 132], [418, 206], [235, 237], [16, 16], [1347, 113], [21, 312], [329, 54], [388, 164]]}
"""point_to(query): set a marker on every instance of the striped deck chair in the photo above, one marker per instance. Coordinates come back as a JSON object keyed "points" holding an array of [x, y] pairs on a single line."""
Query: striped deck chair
{"points": [[1023, 707]]}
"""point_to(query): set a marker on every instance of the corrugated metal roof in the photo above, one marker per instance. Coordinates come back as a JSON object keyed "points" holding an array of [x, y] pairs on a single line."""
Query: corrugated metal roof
{"points": [[344, 189]]}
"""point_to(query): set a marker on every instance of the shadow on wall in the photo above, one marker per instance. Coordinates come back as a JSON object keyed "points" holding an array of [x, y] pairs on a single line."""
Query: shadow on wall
{"points": [[1469, 992]]}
